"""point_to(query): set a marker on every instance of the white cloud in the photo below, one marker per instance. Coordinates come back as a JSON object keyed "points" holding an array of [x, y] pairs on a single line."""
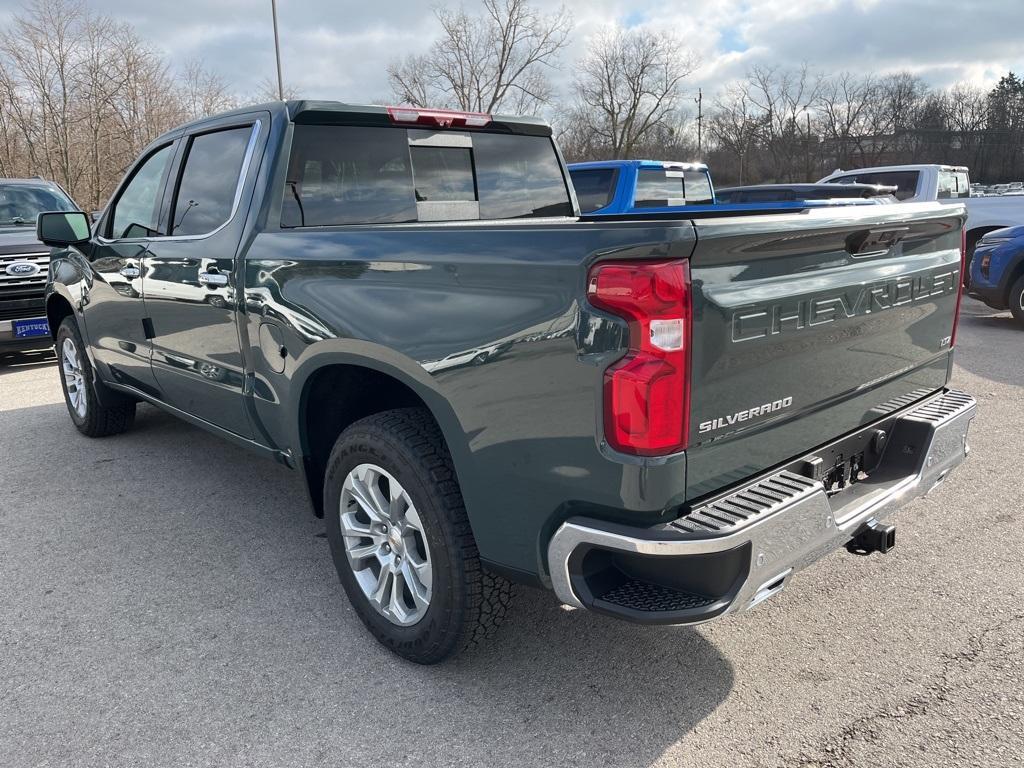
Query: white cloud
{"points": [[339, 50]]}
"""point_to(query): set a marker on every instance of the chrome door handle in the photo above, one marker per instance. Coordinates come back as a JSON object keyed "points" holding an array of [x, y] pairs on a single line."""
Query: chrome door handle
{"points": [[129, 272], [213, 279]]}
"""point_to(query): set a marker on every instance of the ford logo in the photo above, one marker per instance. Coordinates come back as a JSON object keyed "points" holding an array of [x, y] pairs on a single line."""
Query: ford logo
{"points": [[22, 269]]}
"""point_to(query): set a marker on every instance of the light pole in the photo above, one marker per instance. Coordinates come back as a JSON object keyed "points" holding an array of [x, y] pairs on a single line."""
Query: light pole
{"points": [[277, 51]]}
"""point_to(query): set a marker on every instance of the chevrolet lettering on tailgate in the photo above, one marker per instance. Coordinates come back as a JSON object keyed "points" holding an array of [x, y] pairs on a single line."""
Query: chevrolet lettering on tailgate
{"points": [[773, 319]]}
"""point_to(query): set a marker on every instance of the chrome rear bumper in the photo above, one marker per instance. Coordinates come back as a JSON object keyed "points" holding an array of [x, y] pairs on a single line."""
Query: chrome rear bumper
{"points": [[765, 531]]}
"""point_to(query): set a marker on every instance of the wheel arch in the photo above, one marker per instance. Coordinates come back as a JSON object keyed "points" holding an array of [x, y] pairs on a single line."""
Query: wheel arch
{"points": [[976, 233], [336, 389], [58, 306]]}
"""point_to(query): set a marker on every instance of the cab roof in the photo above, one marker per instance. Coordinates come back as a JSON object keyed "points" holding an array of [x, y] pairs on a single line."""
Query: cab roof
{"points": [[309, 112], [667, 164]]}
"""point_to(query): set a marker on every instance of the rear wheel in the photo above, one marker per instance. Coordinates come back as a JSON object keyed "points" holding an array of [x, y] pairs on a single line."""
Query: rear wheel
{"points": [[89, 416], [1017, 300], [401, 540]]}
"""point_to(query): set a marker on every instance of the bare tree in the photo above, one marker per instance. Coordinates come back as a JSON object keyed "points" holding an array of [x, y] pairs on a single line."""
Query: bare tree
{"points": [[844, 107], [733, 127], [82, 94], [497, 60], [628, 88], [205, 92]]}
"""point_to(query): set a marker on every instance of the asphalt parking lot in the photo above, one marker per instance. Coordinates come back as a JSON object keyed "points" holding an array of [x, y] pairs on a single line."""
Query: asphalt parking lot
{"points": [[167, 599]]}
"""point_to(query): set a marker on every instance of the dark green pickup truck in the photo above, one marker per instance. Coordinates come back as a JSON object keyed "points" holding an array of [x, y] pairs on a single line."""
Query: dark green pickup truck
{"points": [[658, 419]]}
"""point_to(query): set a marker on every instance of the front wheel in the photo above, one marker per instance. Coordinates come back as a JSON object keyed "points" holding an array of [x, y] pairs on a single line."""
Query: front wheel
{"points": [[1017, 300], [401, 540], [90, 417]]}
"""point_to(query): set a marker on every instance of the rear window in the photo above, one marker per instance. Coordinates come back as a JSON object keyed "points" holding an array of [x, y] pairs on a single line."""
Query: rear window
{"points": [[904, 181], [443, 174], [356, 175], [662, 188], [519, 177], [348, 175], [595, 187], [953, 184]]}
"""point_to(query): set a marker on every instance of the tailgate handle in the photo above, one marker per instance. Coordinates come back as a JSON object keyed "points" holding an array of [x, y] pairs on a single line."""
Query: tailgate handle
{"points": [[871, 242]]}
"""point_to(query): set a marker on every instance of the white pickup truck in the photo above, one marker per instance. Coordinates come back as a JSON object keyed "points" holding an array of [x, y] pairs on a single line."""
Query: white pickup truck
{"points": [[946, 184]]}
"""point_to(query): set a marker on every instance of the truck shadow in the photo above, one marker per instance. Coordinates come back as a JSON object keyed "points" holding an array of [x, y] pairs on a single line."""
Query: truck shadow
{"points": [[576, 688], [10, 362], [205, 589]]}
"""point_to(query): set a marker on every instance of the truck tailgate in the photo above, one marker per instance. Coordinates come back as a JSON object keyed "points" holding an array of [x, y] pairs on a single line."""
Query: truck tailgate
{"points": [[808, 326]]}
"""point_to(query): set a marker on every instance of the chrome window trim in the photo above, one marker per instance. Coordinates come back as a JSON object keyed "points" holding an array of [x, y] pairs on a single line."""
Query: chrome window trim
{"points": [[250, 150]]}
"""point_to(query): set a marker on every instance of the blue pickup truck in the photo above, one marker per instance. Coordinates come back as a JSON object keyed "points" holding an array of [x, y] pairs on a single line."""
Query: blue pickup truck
{"points": [[650, 187]]}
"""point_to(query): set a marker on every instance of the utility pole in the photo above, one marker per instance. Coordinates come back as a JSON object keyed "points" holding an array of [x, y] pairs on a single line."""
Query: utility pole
{"points": [[700, 121], [277, 51], [807, 112]]}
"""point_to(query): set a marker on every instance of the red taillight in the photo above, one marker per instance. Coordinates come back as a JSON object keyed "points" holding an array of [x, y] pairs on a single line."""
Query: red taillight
{"points": [[443, 118], [647, 393], [960, 286]]}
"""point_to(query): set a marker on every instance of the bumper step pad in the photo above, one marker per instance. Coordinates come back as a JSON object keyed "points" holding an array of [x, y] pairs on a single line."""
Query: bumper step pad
{"points": [[748, 505], [643, 596]]}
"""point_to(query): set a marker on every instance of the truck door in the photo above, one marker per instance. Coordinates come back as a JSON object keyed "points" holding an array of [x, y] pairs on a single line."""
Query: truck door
{"points": [[113, 302], [188, 281]]}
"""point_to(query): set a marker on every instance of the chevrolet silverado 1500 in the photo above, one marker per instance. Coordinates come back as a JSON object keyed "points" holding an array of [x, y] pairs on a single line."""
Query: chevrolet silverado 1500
{"points": [[662, 420]]}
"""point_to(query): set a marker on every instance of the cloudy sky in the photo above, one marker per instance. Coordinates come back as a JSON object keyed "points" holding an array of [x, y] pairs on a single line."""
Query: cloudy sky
{"points": [[339, 49]]}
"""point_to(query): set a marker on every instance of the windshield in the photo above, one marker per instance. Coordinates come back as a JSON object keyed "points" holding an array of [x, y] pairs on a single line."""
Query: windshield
{"points": [[21, 203]]}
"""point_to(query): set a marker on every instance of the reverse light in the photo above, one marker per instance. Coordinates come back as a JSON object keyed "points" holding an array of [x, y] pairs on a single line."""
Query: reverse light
{"points": [[441, 118], [647, 392]]}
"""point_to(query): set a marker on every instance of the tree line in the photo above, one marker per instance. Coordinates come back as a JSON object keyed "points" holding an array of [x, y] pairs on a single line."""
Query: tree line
{"points": [[81, 94]]}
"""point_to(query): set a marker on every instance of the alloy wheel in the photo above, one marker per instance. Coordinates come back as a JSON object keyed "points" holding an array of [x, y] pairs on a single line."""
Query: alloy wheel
{"points": [[74, 378], [385, 544]]}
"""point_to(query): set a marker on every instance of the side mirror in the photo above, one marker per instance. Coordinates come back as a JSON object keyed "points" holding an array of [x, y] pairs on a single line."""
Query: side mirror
{"points": [[59, 229]]}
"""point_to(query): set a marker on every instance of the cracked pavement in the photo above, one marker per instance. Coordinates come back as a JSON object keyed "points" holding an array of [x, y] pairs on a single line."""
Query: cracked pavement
{"points": [[166, 599]]}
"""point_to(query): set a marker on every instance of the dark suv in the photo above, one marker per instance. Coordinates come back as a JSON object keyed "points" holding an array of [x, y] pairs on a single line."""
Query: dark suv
{"points": [[24, 261]]}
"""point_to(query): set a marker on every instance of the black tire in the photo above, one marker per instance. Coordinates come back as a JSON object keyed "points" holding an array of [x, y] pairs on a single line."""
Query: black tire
{"points": [[466, 602], [98, 420], [1017, 300]]}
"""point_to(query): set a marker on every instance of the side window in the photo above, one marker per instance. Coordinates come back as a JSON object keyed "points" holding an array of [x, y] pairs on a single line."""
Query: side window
{"points": [[209, 181], [136, 211], [594, 187], [348, 175]]}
